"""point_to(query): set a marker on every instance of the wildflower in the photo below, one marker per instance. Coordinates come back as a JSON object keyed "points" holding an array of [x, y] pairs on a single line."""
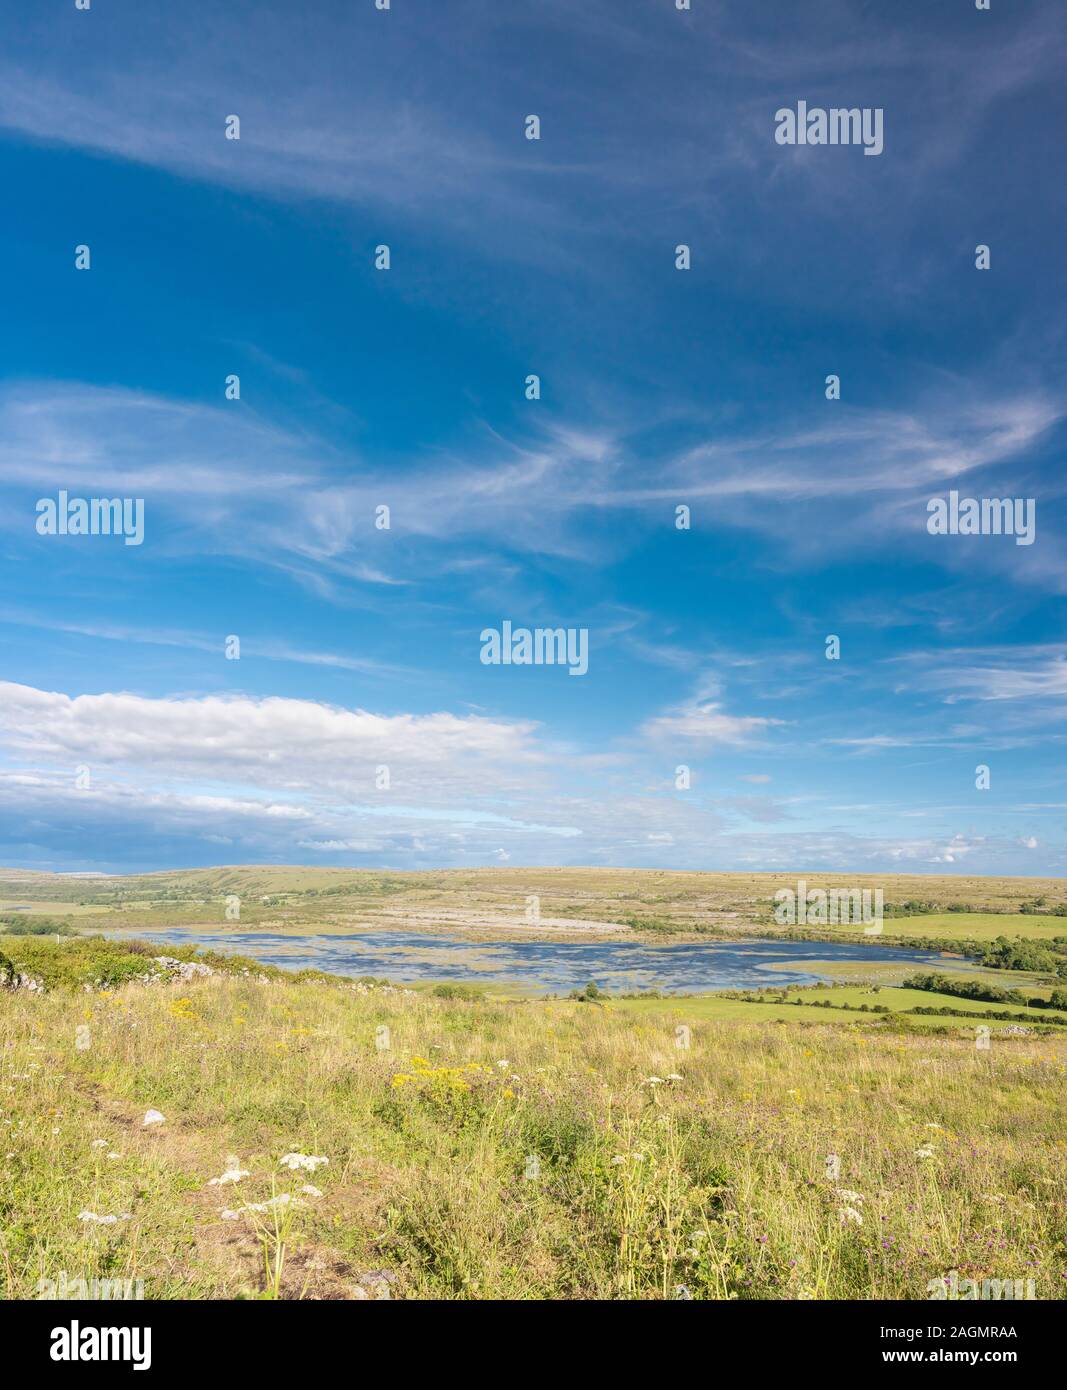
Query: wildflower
{"points": [[926, 1152], [848, 1214], [503, 1062], [847, 1195], [230, 1175], [673, 1076], [282, 1200], [99, 1143], [311, 1190], [153, 1117], [308, 1161], [655, 1081]]}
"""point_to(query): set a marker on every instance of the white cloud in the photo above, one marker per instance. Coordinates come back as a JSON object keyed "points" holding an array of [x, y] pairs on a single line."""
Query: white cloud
{"points": [[276, 743], [1020, 675], [705, 721]]}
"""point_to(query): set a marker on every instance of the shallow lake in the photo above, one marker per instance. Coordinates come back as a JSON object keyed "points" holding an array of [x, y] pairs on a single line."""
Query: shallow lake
{"points": [[550, 966]]}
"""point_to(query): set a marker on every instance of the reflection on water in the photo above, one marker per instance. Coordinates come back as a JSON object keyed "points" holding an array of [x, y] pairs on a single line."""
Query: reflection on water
{"points": [[548, 966]]}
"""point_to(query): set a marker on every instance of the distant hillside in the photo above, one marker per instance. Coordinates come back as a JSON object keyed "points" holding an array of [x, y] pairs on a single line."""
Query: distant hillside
{"points": [[621, 900]]}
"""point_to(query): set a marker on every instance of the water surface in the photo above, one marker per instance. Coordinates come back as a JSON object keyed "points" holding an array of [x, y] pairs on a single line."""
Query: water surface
{"points": [[550, 966]]}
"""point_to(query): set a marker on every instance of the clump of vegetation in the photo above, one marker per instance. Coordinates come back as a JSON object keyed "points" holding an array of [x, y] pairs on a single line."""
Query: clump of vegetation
{"points": [[95, 962], [591, 994], [983, 991], [1045, 957], [1039, 905], [666, 926], [454, 991], [917, 907], [16, 924]]}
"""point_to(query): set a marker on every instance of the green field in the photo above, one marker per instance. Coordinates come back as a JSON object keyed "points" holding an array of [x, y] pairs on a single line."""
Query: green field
{"points": [[491, 1148], [899, 999], [713, 1007], [979, 926], [892, 972]]}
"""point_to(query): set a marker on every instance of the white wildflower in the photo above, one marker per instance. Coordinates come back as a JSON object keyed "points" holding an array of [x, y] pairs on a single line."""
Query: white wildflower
{"points": [[308, 1161], [230, 1175], [92, 1217], [282, 1200]]}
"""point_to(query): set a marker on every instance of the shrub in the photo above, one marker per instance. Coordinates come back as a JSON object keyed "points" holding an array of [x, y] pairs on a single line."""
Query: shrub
{"points": [[36, 926], [466, 992]]}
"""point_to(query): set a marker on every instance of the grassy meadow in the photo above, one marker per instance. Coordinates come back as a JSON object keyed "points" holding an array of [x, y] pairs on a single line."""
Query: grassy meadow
{"points": [[324, 1138], [479, 1147]]}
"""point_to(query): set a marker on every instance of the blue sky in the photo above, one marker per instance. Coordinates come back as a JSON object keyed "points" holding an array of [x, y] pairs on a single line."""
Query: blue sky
{"points": [[405, 388]]}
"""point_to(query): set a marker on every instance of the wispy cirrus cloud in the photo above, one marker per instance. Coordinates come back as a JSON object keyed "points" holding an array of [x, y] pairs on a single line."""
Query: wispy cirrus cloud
{"points": [[313, 129], [1025, 673], [701, 719], [299, 503]]}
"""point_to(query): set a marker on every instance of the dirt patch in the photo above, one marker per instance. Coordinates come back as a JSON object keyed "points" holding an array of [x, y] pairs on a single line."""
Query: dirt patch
{"points": [[229, 1251], [460, 917]]}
